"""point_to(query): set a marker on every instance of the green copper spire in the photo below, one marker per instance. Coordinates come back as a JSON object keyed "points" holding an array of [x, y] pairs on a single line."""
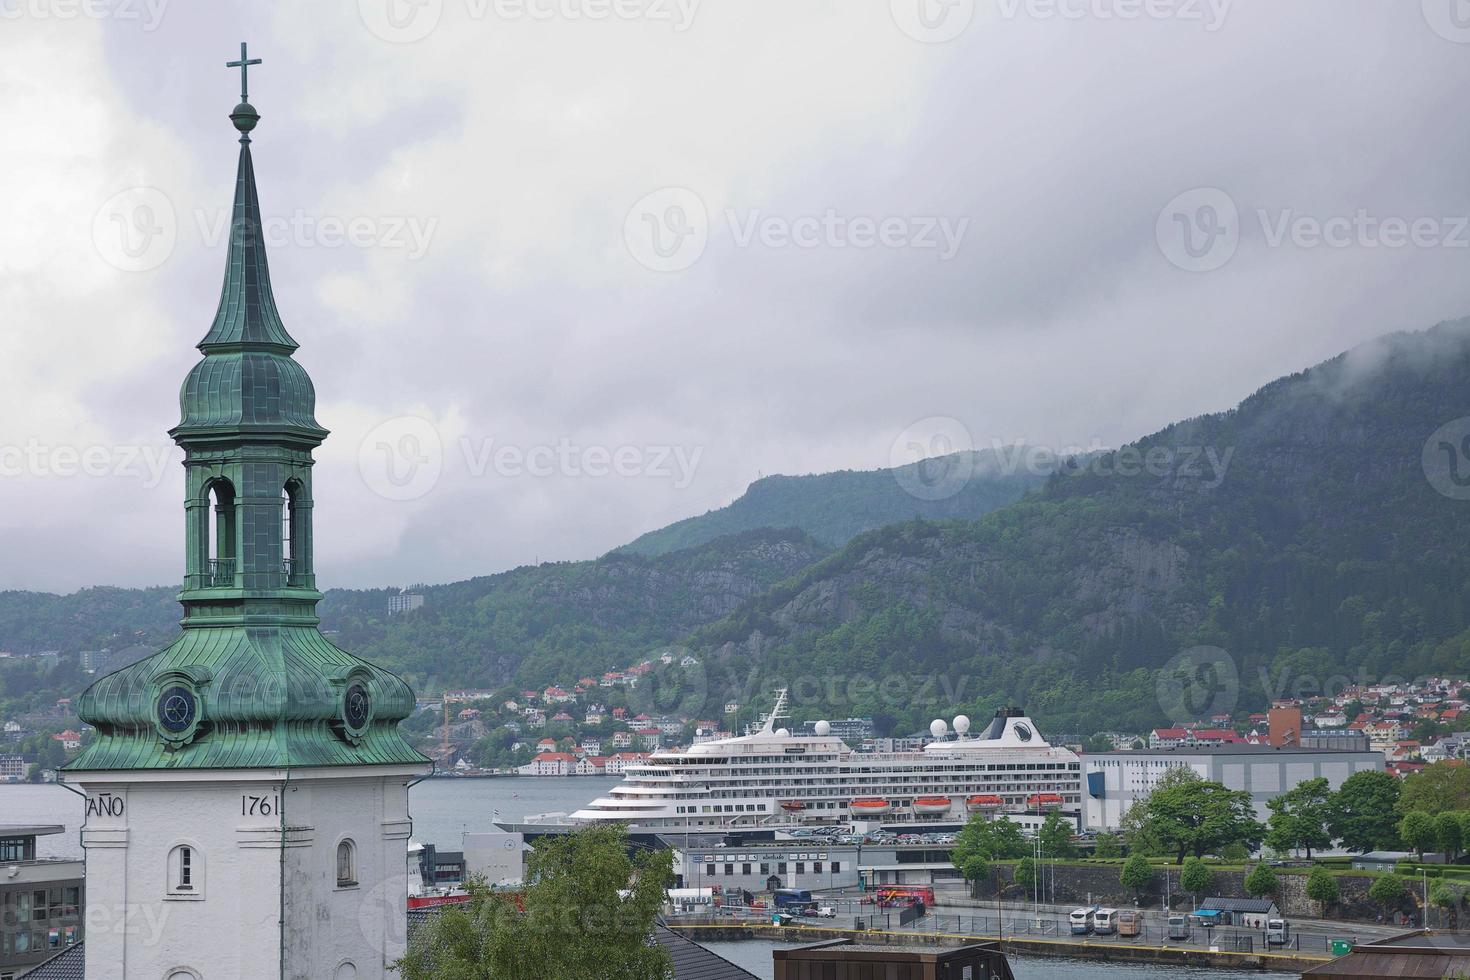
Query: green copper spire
{"points": [[250, 682]]}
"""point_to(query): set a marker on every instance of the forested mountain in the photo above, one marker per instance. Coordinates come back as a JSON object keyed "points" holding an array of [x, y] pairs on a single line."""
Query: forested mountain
{"points": [[558, 622], [834, 508], [1300, 532], [1316, 533]]}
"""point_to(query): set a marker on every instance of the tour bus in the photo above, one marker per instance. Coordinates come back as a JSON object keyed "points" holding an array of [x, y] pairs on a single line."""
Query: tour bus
{"points": [[1105, 922], [1178, 926], [1081, 921], [1278, 932], [784, 897], [1130, 922]]}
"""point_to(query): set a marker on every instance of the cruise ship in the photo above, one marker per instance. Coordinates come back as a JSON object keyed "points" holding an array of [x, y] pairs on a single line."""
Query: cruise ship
{"points": [[772, 778]]}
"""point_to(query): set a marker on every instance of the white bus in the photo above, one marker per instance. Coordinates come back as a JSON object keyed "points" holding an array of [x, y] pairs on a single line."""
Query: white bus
{"points": [[1278, 932], [1105, 922], [1081, 921]]}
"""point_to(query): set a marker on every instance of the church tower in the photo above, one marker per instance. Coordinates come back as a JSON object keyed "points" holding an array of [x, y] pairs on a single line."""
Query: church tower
{"points": [[247, 787]]}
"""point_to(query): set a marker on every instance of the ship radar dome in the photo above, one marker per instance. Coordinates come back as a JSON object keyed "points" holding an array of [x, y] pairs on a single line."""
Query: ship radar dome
{"points": [[824, 727], [937, 727], [783, 733], [962, 723]]}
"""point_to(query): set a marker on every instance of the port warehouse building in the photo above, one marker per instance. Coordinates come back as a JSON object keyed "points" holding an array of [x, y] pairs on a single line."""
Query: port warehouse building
{"points": [[1114, 781]]}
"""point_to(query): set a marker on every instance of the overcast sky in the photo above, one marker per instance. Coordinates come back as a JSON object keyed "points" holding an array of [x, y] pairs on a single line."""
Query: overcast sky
{"points": [[564, 272]]}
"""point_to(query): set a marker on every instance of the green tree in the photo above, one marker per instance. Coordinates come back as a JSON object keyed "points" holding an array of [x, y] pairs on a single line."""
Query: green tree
{"points": [[1437, 788], [1196, 877], [1108, 846], [1444, 896], [1262, 880], [983, 842], [1448, 834], [588, 911], [1026, 873], [1322, 888], [1363, 813], [1056, 836], [1418, 831], [1388, 891], [1299, 817], [1189, 815], [1137, 874]]}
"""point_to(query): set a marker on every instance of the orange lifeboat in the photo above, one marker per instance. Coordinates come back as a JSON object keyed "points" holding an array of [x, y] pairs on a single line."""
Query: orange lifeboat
{"points": [[932, 804], [873, 807], [793, 806], [983, 801], [1044, 801]]}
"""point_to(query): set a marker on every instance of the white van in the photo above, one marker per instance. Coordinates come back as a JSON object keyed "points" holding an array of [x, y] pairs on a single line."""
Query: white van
{"points": [[1105, 922], [1278, 932], [1081, 921]]}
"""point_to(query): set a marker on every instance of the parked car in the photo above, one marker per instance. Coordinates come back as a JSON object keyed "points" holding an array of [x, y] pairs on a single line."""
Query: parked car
{"points": [[826, 912]]}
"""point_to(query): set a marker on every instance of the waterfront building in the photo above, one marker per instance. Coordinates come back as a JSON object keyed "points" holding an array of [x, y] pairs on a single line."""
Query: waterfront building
{"points": [[1117, 780], [41, 901], [12, 768], [404, 602], [247, 786]]}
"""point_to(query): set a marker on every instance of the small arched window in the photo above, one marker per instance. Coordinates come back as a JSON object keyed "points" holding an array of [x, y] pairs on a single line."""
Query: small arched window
{"points": [[185, 872], [346, 864]]}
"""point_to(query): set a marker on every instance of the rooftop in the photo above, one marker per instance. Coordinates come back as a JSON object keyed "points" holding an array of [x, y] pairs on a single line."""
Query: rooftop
{"points": [[30, 830]]}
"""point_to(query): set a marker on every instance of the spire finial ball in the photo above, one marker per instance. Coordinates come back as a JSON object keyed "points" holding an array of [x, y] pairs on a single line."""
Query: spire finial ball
{"points": [[244, 117]]}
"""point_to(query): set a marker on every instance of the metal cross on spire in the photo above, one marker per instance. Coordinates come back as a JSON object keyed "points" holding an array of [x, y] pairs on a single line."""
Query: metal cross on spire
{"points": [[244, 65]]}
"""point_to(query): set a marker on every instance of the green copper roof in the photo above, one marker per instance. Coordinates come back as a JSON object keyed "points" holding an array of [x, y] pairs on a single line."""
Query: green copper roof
{"points": [[250, 682], [243, 389], [247, 315], [267, 698]]}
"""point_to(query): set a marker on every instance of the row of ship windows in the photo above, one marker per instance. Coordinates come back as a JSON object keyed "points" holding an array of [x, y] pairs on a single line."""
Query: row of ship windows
{"points": [[806, 794], [708, 767]]}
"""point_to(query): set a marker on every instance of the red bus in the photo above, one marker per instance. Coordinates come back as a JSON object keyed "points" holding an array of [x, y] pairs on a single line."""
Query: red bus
{"points": [[891, 895]]}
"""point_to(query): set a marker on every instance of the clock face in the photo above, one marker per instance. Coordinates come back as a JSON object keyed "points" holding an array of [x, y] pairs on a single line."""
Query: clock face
{"points": [[357, 707], [176, 709]]}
